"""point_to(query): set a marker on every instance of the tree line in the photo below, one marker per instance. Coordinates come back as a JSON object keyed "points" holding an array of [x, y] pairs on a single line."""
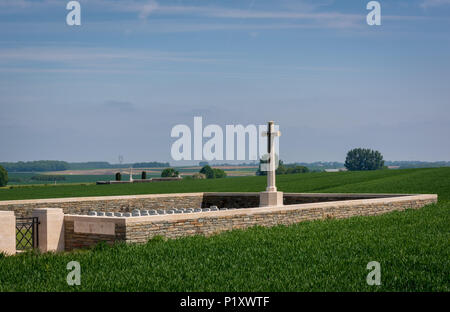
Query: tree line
{"points": [[206, 172], [283, 169], [38, 165], [57, 165], [358, 159]]}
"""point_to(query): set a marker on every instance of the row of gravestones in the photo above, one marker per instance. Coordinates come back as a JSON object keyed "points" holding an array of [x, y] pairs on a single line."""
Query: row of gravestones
{"points": [[153, 212]]}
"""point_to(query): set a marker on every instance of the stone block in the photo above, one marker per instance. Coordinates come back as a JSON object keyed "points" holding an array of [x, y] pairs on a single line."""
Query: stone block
{"points": [[269, 199], [7, 232], [94, 226], [51, 228]]}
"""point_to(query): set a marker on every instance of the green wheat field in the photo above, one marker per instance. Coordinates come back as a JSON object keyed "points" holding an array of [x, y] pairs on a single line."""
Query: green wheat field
{"points": [[411, 246]]}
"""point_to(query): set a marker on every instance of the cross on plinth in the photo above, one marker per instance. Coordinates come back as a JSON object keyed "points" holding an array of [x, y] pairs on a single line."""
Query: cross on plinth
{"points": [[271, 134], [271, 197]]}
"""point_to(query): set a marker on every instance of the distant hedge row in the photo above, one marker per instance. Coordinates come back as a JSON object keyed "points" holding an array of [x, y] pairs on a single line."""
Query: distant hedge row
{"points": [[3, 176], [39, 165], [57, 165], [153, 164]]}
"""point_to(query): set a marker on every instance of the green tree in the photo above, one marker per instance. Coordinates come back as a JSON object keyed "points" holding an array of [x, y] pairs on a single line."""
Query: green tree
{"points": [[118, 176], [39, 165], [169, 173], [143, 175], [364, 159], [219, 173], [3, 176], [282, 169], [208, 172]]}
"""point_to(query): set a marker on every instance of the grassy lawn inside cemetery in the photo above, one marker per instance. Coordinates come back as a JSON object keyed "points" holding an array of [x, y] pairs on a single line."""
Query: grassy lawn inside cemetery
{"points": [[411, 246]]}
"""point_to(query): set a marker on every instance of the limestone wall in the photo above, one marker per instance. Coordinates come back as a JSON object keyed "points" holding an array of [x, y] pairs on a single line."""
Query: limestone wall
{"points": [[140, 229], [126, 203], [86, 231], [251, 199], [82, 205], [306, 198], [230, 200]]}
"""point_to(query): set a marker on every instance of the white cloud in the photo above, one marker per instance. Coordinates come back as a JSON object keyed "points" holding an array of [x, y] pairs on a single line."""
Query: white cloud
{"points": [[78, 59], [95, 55], [230, 13]]}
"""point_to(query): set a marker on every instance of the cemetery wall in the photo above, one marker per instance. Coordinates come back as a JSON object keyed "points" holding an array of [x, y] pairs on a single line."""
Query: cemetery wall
{"points": [[230, 200], [306, 198], [251, 199], [84, 231], [126, 203], [82, 205], [140, 229]]}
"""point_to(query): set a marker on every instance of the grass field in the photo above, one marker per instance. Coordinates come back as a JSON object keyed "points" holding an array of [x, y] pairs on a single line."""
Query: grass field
{"points": [[433, 180], [412, 246], [17, 179]]}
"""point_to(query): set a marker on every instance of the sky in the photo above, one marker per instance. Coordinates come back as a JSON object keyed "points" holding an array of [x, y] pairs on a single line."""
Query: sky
{"points": [[118, 83]]}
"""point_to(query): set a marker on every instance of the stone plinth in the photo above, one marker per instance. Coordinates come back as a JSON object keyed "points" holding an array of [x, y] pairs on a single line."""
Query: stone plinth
{"points": [[7, 232], [267, 199], [51, 228]]}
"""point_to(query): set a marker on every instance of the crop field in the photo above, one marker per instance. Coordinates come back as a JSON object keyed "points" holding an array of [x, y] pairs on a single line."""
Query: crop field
{"points": [[94, 175], [412, 246], [433, 180], [17, 179]]}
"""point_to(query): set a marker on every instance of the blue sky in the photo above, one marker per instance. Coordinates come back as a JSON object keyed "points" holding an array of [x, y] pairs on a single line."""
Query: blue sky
{"points": [[118, 83]]}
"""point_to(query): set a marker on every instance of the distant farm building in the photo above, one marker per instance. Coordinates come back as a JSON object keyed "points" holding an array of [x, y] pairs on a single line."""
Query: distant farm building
{"points": [[336, 170]]}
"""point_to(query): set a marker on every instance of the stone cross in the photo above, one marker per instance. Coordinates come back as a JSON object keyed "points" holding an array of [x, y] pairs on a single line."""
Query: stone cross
{"points": [[271, 134]]}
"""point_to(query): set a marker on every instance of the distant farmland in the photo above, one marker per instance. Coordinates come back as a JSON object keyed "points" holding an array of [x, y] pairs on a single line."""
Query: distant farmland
{"points": [[93, 175]]}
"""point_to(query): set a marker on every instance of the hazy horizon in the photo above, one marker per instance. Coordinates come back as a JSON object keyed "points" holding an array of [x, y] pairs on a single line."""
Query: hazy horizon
{"points": [[196, 163]]}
